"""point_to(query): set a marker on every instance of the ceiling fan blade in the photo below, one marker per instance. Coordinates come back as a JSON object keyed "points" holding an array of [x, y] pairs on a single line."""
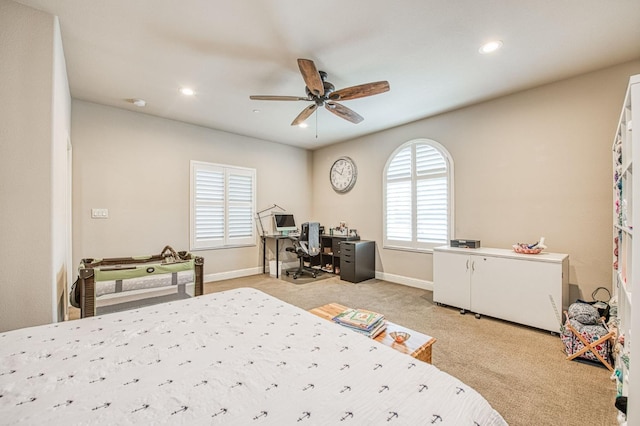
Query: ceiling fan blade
{"points": [[311, 76], [343, 112], [304, 114], [360, 91], [277, 98]]}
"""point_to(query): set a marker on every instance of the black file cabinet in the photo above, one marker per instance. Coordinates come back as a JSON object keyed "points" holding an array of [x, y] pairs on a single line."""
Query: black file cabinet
{"points": [[357, 260]]}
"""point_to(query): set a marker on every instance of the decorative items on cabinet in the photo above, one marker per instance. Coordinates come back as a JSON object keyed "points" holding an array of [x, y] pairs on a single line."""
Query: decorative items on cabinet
{"points": [[526, 248]]}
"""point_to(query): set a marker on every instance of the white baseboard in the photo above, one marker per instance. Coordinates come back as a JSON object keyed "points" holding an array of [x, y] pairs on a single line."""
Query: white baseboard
{"points": [[220, 276], [399, 279]]}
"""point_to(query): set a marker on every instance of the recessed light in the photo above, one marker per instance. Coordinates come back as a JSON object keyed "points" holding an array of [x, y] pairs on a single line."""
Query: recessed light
{"points": [[303, 125], [256, 111], [491, 46], [139, 102], [187, 91]]}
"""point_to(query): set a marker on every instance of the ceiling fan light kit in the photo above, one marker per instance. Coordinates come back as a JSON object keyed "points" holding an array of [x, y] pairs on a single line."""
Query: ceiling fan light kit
{"points": [[323, 93]]}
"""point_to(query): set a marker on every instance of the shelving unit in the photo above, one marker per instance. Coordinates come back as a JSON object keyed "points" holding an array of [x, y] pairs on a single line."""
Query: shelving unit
{"points": [[330, 248], [349, 257], [626, 152]]}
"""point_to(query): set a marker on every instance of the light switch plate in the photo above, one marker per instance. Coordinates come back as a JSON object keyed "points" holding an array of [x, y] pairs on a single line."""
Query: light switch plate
{"points": [[99, 213]]}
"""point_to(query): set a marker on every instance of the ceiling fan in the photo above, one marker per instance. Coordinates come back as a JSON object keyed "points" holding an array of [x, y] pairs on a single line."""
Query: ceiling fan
{"points": [[322, 93]]}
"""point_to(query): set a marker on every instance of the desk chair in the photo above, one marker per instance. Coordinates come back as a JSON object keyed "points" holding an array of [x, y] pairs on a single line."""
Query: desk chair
{"points": [[306, 245]]}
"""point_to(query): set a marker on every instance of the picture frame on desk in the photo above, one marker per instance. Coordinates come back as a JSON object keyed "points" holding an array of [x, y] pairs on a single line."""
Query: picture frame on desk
{"points": [[340, 231]]}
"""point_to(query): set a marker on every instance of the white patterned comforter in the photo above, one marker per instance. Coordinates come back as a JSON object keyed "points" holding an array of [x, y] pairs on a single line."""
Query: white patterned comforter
{"points": [[239, 357]]}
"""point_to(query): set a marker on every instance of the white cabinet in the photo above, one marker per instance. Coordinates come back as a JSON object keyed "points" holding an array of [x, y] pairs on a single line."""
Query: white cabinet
{"points": [[455, 271], [626, 152], [526, 289]]}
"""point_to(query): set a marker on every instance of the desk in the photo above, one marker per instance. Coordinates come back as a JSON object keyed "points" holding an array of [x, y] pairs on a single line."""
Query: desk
{"points": [[277, 239], [329, 258]]}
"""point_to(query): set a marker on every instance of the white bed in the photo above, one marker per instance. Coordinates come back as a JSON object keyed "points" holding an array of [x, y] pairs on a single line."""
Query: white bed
{"points": [[239, 357]]}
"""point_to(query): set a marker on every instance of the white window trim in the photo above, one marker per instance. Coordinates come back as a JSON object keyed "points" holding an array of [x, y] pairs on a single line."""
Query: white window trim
{"points": [[225, 242], [413, 246]]}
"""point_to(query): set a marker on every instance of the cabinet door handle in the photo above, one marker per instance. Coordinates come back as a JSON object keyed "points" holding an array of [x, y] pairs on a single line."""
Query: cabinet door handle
{"points": [[467, 264], [473, 266]]}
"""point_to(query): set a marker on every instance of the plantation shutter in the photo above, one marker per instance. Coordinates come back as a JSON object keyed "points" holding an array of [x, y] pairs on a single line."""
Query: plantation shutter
{"points": [[417, 196], [240, 216], [431, 196], [209, 207], [399, 209], [222, 206]]}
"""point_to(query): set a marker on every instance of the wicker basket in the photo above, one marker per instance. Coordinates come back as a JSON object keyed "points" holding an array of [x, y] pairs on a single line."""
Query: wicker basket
{"points": [[523, 249]]}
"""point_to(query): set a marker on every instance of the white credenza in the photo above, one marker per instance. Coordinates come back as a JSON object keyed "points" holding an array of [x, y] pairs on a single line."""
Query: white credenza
{"points": [[524, 288]]}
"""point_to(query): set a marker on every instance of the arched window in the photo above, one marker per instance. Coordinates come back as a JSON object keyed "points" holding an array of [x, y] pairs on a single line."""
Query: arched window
{"points": [[418, 196]]}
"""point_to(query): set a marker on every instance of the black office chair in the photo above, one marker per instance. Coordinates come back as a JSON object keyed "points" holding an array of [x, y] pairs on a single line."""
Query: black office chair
{"points": [[307, 245]]}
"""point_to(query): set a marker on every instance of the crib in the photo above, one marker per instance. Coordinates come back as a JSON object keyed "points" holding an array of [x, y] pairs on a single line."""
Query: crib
{"points": [[116, 284]]}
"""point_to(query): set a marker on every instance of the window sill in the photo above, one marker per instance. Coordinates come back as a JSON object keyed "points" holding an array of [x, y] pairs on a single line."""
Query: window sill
{"points": [[223, 247], [410, 249]]}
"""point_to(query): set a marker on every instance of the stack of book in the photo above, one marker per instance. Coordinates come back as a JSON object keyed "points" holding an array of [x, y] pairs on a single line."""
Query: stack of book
{"points": [[365, 322]]}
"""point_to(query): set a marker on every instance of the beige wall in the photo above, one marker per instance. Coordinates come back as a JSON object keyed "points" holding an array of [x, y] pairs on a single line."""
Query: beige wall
{"points": [[35, 117], [530, 164], [137, 166], [535, 163]]}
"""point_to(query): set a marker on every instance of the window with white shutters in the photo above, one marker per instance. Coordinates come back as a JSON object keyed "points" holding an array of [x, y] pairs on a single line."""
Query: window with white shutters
{"points": [[418, 190], [222, 206]]}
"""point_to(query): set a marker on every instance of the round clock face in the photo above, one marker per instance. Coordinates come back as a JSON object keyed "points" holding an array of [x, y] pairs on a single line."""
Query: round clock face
{"points": [[343, 174]]}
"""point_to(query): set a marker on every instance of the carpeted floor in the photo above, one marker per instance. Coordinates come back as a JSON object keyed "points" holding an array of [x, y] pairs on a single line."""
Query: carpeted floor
{"points": [[521, 371]]}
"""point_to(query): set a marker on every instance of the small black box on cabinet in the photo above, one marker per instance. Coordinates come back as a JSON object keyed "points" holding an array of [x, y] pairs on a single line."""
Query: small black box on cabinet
{"points": [[465, 243]]}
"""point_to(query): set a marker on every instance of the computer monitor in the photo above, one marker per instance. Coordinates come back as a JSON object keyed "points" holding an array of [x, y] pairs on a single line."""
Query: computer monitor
{"points": [[284, 222]]}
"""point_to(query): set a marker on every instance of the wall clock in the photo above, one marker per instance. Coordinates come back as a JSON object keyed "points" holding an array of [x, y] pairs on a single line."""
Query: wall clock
{"points": [[343, 174]]}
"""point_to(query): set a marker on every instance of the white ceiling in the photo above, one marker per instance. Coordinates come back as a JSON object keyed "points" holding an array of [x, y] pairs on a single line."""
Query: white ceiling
{"points": [[117, 50]]}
